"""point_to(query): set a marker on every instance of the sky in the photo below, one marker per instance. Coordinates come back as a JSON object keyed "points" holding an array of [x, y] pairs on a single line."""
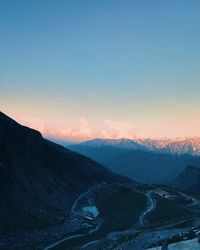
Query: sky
{"points": [[81, 69]]}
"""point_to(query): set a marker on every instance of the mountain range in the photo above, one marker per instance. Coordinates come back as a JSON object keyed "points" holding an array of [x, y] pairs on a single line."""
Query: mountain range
{"points": [[149, 161], [178, 146], [47, 192]]}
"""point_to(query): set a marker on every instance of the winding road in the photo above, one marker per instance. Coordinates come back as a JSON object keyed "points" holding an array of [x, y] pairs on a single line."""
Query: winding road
{"points": [[195, 202], [60, 241], [77, 200], [76, 213], [151, 205]]}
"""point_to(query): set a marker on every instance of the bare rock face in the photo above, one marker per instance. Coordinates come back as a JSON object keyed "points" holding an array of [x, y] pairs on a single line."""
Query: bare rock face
{"points": [[39, 180]]}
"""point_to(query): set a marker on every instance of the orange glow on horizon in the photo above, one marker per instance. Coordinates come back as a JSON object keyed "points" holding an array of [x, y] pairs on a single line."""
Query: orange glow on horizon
{"points": [[108, 129]]}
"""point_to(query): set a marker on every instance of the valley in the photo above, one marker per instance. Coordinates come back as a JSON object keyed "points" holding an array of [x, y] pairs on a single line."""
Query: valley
{"points": [[140, 232], [54, 198]]}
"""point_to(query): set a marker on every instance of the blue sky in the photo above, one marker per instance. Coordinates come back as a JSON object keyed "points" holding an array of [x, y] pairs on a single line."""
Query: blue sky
{"points": [[134, 63]]}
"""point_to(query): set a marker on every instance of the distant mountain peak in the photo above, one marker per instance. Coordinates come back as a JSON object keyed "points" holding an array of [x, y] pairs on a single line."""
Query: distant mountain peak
{"points": [[123, 143], [178, 146]]}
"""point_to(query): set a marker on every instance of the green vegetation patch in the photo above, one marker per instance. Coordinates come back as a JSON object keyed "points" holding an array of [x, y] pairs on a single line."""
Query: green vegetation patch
{"points": [[168, 211], [120, 207]]}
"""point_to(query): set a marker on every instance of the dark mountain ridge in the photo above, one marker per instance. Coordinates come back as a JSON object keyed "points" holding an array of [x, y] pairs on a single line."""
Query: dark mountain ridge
{"points": [[39, 180]]}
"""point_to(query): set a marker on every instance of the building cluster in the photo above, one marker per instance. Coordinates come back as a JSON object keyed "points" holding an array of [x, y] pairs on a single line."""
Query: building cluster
{"points": [[161, 193]]}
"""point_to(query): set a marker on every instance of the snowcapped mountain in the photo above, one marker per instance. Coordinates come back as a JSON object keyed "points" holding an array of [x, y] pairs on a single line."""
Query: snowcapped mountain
{"points": [[179, 146], [124, 144], [190, 145], [144, 160]]}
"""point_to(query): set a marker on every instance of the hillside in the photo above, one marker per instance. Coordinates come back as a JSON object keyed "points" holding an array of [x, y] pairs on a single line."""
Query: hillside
{"points": [[188, 180], [136, 162], [39, 180]]}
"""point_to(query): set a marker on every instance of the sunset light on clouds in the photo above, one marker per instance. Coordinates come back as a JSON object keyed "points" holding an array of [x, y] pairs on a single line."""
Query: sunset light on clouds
{"points": [[99, 124], [81, 129], [102, 69]]}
